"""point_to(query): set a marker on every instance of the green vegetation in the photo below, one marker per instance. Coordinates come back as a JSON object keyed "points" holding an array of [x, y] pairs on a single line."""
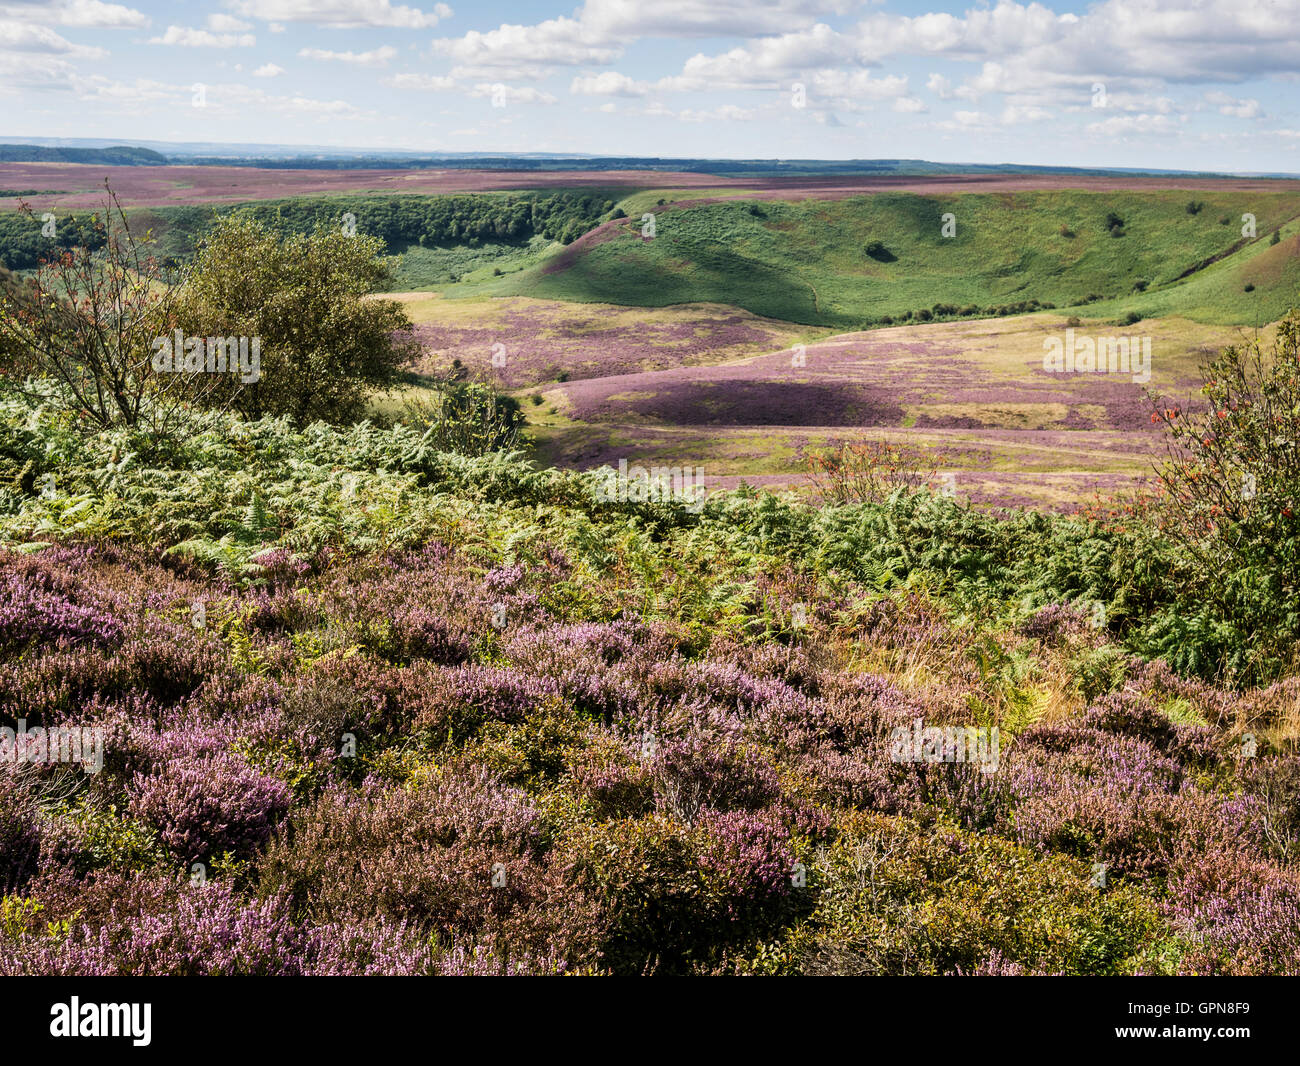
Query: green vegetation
{"points": [[23, 244], [357, 488], [474, 223], [852, 262], [262, 323], [117, 155], [325, 347], [414, 705]]}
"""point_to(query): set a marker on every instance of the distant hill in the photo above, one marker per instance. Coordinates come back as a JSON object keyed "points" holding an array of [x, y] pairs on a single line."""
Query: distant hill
{"points": [[884, 259], [337, 157], [119, 155]]}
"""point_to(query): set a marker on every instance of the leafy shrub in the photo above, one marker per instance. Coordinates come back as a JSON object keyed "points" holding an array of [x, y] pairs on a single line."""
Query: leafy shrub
{"points": [[868, 471], [324, 347], [468, 419], [1232, 494]]}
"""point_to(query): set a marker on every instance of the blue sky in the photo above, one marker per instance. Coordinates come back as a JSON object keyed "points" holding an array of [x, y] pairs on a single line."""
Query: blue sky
{"points": [[1202, 84]]}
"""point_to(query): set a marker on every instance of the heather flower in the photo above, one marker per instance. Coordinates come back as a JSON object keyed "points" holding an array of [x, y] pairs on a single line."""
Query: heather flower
{"points": [[183, 930], [698, 771], [746, 854], [33, 613], [1056, 622], [206, 804]]}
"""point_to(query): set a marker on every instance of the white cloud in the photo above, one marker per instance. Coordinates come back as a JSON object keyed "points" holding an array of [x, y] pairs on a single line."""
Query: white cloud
{"points": [[268, 70], [1015, 114], [227, 24], [1028, 49], [705, 18], [187, 37], [726, 113], [121, 94], [850, 89], [557, 42], [768, 62], [342, 14], [608, 83], [82, 14], [377, 57], [426, 82], [26, 71], [942, 88], [1234, 106], [25, 37], [1118, 125], [513, 94]]}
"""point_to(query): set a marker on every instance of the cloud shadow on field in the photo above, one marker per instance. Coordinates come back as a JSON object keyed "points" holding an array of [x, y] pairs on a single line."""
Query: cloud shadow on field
{"points": [[766, 403]]}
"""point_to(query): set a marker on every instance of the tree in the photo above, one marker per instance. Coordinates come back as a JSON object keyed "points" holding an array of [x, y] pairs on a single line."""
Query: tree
{"points": [[325, 347], [89, 317], [1232, 481]]}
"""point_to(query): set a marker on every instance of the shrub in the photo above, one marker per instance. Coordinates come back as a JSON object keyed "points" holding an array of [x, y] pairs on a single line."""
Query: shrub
{"points": [[896, 898], [204, 806], [157, 928], [868, 471], [324, 347], [468, 418], [1232, 493], [88, 318]]}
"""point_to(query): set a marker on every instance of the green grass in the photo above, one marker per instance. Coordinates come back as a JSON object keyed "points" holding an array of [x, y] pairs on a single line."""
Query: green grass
{"points": [[806, 262], [423, 268], [1217, 294]]}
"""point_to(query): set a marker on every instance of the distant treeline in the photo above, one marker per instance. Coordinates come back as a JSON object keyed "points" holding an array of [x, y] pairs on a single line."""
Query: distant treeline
{"points": [[23, 239], [120, 155], [400, 221], [801, 168], [446, 220]]}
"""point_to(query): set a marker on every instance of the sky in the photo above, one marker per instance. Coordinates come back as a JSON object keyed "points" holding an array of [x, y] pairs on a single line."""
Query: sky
{"points": [[1196, 85]]}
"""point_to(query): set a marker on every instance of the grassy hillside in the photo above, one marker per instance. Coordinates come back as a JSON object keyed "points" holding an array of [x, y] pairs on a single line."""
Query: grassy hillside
{"points": [[857, 261]]}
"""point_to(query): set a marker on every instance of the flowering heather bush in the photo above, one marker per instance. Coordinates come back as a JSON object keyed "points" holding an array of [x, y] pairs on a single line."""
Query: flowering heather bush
{"points": [[459, 699], [154, 927], [206, 804], [694, 773], [1055, 622], [33, 613], [1241, 916], [749, 856], [375, 947], [20, 832]]}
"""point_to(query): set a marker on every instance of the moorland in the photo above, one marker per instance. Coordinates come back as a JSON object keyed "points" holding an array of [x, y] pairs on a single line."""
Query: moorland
{"points": [[386, 684]]}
